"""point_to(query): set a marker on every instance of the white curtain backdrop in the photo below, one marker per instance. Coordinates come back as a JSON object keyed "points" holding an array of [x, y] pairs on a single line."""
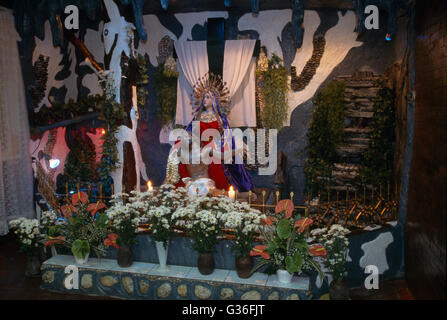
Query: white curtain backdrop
{"points": [[16, 177], [238, 73], [192, 65]]}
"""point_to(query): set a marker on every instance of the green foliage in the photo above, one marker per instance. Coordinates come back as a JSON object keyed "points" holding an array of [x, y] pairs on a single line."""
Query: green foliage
{"points": [[325, 135], [80, 248], [377, 161], [165, 85], [72, 109], [142, 81], [80, 164], [274, 87]]}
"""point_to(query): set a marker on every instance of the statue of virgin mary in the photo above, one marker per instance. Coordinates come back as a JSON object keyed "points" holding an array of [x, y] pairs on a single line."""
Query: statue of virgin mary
{"points": [[209, 100]]}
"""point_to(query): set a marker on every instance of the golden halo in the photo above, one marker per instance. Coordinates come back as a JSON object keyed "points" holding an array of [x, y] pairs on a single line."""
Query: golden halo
{"points": [[213, 83]]}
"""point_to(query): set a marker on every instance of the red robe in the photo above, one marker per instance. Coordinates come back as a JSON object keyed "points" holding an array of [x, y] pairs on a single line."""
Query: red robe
{"points": [[215, 170]]}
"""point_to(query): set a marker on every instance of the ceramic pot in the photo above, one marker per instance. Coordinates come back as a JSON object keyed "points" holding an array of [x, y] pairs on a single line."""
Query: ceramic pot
{"points": [[82, 260], [33, 264], [338, 290], [284, 276], [125, 256], [205, 263], [244, 266], [162, 256]]}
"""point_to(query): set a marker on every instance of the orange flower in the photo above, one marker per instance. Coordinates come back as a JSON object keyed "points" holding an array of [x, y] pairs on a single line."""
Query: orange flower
{"points": [[317, 250], [285, 205], [54, 240], [79, 196], [67, 210], [260, 251], [94, 207], [302, 224], [268, 221], [111, 240]]}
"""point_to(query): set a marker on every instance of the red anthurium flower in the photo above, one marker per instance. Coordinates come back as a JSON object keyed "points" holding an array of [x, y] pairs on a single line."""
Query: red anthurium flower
{"points": [[260, 251], [111, 240], [285, 205], [54, 240], [302, 224], [94, 207], [67, 210], [268, 221], [79, 196], [317, 250]]}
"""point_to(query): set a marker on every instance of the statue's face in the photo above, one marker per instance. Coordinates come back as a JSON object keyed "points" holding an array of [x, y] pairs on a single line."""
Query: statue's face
{"points": [[207, 100]]}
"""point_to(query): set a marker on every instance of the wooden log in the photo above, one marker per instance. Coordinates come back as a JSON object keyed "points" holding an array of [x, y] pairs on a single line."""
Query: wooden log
{"points": [[359, 114], [358, 130]]}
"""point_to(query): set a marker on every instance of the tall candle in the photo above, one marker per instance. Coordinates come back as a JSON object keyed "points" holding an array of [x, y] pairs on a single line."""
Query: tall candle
{"points": [[149, 186], [231, 193]]}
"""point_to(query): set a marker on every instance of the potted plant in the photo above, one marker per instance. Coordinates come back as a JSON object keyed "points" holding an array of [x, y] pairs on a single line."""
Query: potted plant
{"points": [[286, 249], [159, 215], [82, 229], [28, 233], [124, 219], [336, 243], [201, 220], [244, 223]]}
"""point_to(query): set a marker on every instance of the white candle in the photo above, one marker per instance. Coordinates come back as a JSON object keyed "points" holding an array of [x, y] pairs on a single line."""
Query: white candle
{"points": [[149, 186], [231, 193]]}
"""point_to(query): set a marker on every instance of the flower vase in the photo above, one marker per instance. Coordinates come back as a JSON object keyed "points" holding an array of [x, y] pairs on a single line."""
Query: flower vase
{"points": [[205, 263], [125, 256], [284, 276], [81, 260], [244, 266], [162, 256], [338, 290], [33, 264]]}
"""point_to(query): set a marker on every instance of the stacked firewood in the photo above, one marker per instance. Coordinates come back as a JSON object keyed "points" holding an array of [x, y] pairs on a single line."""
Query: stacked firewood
{"points": [[359, 95]]}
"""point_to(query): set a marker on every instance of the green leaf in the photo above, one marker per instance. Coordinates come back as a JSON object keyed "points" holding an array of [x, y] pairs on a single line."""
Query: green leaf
{"points": [[80, 248], [284, 229], [102, 220]]}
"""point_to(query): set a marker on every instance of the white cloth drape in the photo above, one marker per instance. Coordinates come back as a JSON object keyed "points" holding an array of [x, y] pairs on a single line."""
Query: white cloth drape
{"points": [[192, 65], [238, 73], [16, 178]]}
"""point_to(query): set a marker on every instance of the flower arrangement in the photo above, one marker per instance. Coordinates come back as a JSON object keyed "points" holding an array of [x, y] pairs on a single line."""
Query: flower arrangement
{"points": [[160, 214], [202, 220], [124, 218], [286, 246], [83, 228], [336, 243], [244, 222], [28, 233]]}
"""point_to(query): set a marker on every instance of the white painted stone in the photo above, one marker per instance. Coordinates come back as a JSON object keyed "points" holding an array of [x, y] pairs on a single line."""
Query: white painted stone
{"points": [[251, 295], [375, 252], [144, 286], [164, 290], [108, 281], [48, 277], [226, 294], [201, 292], [293, 296], [273, 296], [87, 281], [127, 284], [182, 290]]}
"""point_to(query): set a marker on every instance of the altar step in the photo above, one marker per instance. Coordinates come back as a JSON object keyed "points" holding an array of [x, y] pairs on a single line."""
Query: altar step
{"points": [[144, 281]]}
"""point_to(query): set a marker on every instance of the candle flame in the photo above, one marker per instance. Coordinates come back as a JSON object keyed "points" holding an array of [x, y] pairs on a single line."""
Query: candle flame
{"points": [[103, 131], [231, 188], [149, 185]]}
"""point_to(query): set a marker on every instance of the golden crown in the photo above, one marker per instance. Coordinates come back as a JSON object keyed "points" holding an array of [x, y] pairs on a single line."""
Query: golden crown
{"points": [[213, 83]]}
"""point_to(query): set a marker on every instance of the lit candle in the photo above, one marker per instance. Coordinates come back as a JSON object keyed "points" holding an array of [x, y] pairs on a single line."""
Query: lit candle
{"points": [[149, 186], [231, 193]]}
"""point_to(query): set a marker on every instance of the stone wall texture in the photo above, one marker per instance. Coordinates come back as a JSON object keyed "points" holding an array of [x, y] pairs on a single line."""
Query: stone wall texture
{"points": [[425, 225]]}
